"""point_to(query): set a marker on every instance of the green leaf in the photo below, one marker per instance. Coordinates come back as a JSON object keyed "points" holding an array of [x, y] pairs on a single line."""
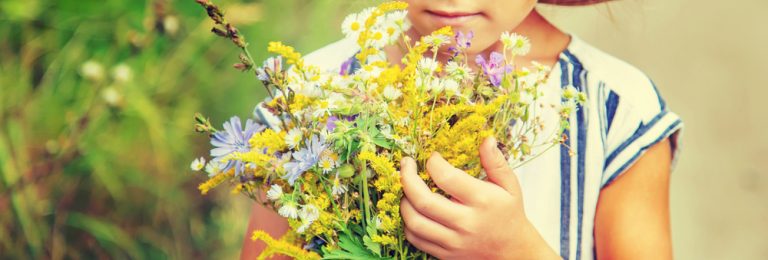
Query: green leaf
{"points": [[368, 242], [382, 142], [352, 247]]}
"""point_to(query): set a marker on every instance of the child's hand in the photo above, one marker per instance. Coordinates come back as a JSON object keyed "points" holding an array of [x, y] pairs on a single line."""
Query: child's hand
{"points": [[483, 220]]}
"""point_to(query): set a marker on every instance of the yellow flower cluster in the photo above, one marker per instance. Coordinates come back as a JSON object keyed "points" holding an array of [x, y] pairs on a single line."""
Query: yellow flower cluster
{"points": [[253, 158], [384, 239], [270, 140], [283, 247], [392, 6], [323, 226], [388, 206], [299, 102], [211, 183], [459, 144], [389, 76], [445, 31], [367, 34], [289, 54]]}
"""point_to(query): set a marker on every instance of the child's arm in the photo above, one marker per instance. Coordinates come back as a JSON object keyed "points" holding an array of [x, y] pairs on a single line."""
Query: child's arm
{"points": [[632, 218], [267, 220]]}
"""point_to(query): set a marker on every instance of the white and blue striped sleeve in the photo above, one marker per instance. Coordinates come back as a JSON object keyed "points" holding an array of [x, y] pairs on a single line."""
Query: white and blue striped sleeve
{"points": [[264, 116], [636, 118]]}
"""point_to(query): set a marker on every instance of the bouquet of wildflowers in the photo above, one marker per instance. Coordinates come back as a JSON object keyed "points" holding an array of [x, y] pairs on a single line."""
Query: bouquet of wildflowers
{"points": [[326, 160]]}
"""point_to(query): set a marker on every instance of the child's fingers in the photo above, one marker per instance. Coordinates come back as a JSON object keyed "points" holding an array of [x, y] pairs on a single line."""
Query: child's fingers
{"points": [[497, 168], [425, 245], [422, 199], [422, 226], [453, 181]]}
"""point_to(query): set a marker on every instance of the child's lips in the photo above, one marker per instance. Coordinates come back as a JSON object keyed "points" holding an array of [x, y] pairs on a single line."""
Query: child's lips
{"points": [[452, 18]]}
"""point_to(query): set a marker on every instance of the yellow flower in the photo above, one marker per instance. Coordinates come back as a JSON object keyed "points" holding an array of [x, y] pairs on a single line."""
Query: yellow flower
{"points": [[254, 157], [289, 54], [389, 76], [392, 6], [215, 181], [282, 247], [459, 144], [270, 140], [368, 34], [384, 239], [380, 164], [298, 103]]}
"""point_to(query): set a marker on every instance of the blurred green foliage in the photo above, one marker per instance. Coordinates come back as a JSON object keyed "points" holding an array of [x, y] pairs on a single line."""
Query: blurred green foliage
{"points": [[96, 107]]}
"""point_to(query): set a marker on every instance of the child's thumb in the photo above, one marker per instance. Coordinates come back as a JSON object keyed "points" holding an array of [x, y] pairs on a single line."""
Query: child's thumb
{"points": [[496, 166]]}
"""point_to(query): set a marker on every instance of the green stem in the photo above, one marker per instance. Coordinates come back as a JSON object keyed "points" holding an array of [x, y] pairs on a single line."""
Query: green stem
{"points": [[366, 196]]}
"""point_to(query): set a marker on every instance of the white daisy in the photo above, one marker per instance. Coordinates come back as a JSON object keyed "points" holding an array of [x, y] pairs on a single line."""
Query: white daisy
{"points": [[352, 26], [214, 167], [427, 65], [275, 192], [369, 72], [328, 161], [289, 210], [458, 71], [451, 87], [379, 38], [391, 93], [293, 138], [437, 40], [515, 43], [321, 108], [197, 164], [570, 92], [435, 86], [309, 213], [338, 188]]}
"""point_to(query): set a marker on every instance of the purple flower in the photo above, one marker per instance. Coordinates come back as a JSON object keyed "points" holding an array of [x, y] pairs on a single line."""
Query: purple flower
{"points": [[331, 124], [463, 41], [495, 69], [234, 139], [346, 67], [305, 158]]}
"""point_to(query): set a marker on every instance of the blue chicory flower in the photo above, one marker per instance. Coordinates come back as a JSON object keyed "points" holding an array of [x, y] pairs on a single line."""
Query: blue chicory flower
{"points": [[495, 68], [234, 138], [305, 158]]}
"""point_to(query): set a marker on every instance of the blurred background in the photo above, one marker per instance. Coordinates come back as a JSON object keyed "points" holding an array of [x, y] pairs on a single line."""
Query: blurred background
{"points": [[97, 99]]}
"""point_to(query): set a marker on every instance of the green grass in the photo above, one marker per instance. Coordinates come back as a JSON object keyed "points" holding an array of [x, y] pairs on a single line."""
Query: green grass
{"points": [[81, 177]]}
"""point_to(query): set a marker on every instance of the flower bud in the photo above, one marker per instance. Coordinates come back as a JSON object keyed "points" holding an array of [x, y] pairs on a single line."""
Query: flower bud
{"points": [[346, 171], [241, 66]]}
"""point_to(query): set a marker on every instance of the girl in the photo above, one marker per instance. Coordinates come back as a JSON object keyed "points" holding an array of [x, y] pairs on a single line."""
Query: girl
{"points": [[603, 196]]}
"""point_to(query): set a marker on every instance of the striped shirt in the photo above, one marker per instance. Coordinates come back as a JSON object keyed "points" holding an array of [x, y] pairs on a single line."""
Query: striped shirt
{"points": [[623, 117]]}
